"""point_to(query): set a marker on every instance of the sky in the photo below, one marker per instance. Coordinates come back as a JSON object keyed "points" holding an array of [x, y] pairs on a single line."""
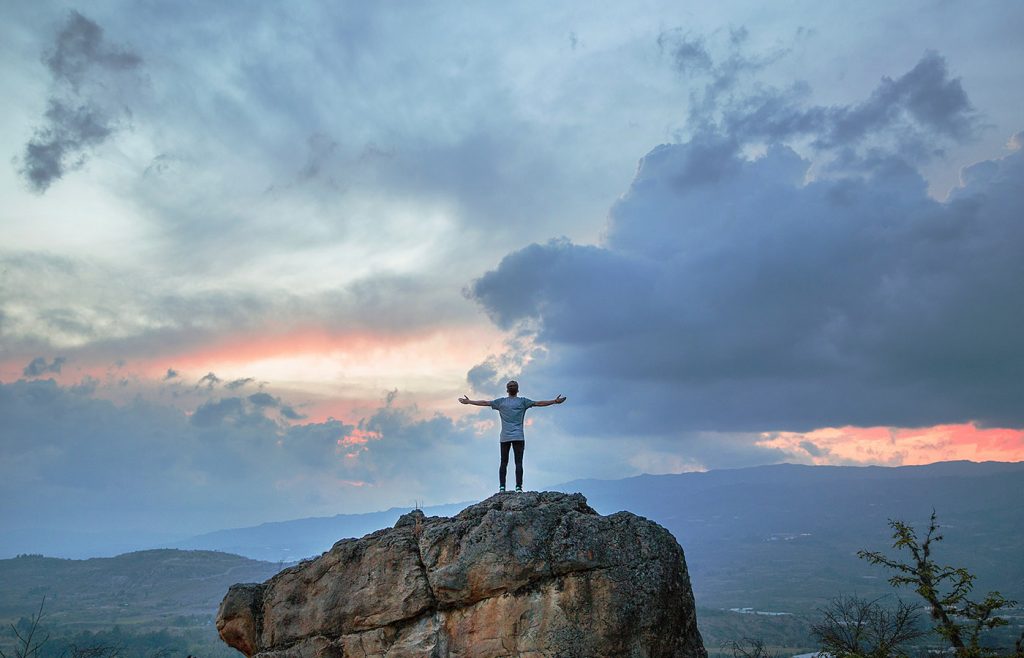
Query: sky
{"points": [[252, 253]]}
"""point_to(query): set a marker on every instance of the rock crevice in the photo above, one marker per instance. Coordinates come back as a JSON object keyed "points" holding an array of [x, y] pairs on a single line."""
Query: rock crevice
{"points": [[533, 574]]}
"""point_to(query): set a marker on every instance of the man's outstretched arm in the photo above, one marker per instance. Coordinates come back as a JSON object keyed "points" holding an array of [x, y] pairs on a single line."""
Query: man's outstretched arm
{"points": [[480, 403], [547, 403]]}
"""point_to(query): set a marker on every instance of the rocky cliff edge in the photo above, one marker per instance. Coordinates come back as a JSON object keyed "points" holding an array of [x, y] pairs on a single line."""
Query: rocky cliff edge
{"points": [[528, 575]]}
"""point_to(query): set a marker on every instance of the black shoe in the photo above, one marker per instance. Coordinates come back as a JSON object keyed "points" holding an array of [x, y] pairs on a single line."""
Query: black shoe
{"points": [[501, 488], [519, 490]]}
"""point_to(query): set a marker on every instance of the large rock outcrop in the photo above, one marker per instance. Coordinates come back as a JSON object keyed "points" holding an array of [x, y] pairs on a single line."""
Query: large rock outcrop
{"points": [[530, 575]]}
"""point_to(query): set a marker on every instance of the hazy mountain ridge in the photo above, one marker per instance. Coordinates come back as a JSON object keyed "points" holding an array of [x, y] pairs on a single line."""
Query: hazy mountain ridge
{"points": [[782, 537], [775, 538], [131, 588], [300, 538]]}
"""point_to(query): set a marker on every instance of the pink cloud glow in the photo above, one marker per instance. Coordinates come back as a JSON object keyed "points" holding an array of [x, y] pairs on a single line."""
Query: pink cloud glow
{"points": [[900, 446], [357, 437], [355, 442]]}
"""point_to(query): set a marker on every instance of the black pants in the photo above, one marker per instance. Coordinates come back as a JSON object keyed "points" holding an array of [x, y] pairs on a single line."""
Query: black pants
{"points": [[518, 447]]}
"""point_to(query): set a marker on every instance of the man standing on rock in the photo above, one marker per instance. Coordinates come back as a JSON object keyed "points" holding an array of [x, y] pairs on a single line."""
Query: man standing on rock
{"points": [[512, 410]]}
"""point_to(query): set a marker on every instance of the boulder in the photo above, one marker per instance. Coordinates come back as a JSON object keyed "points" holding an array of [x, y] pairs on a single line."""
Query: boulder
{"points": [[529, 575]]}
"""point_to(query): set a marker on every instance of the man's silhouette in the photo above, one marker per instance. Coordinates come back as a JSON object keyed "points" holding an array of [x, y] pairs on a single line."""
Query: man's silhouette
{"points": [[513, 411]]}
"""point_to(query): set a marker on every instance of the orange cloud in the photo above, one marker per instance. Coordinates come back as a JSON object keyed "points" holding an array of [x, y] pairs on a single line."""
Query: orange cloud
{"points": [[355, 442], [242, 349], [357, 437], [900, 446]]}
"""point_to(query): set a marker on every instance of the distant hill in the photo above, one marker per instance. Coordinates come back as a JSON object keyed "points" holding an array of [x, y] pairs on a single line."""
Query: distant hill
{"points": [[785, 537], [145, 587], [779, 538], [290, 541], [776, 538]]}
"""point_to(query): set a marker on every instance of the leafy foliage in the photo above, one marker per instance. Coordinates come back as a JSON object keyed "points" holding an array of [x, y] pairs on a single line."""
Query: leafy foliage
{"points": [[958, 619]]}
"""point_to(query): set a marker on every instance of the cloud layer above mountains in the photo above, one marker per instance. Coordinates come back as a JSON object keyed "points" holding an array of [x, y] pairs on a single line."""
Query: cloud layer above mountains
{"points": [[95, 468]]}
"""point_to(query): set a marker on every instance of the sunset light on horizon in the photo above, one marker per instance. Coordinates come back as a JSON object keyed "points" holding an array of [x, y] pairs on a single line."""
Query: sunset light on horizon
{"points": [[255, 253]]}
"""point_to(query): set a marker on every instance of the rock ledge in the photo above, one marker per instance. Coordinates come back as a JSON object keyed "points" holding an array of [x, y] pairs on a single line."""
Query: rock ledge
{"points": [[531, 575]]}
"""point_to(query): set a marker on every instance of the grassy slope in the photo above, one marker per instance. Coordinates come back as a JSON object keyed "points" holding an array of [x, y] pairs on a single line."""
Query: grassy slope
{"points": [[146, 588]]}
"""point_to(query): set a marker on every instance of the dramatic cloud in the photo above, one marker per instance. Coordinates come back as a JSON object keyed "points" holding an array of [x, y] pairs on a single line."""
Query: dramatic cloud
{"points": [[83, 109], [298, 217], [738, 294]]}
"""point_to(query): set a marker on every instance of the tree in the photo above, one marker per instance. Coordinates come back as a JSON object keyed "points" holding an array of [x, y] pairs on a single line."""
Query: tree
{"points": [[92, 651], [852, 626], [752, 648], [29, 642], [957, 618]]}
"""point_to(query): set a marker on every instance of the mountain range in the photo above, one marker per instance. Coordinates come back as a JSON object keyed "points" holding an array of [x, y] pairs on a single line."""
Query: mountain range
{"points": [[771, 538], [777, 540]]}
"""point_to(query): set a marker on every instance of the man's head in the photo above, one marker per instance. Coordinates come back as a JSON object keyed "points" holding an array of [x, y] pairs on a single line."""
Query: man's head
{"points": [[512, 387]]}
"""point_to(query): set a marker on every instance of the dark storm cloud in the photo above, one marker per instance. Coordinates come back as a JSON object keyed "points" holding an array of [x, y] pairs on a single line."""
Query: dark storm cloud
{"points": [[39, 366], [83, 110], [730, 295]]}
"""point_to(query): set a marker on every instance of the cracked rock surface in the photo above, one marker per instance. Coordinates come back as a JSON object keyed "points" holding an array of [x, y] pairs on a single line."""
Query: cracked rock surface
{"points": [[529, 575]]}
